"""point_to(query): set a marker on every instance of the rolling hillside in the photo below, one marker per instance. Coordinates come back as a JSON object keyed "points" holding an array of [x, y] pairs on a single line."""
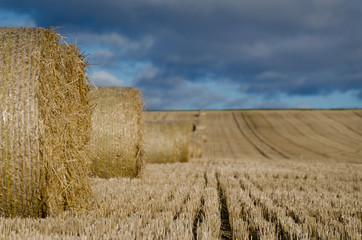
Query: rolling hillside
{"points": [[280, 134]]}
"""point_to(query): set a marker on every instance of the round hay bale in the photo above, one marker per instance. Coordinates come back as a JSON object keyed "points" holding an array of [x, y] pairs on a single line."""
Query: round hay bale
{"points": [[201, 135], [117, 137], [44, 124], [200, 127], [167, 141], [200, 113], [199, 124], [195, 148], [197, 141]]}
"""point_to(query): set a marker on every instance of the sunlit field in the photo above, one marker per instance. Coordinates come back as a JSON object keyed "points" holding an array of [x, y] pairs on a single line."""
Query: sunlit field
{"points": [[263, 174]]}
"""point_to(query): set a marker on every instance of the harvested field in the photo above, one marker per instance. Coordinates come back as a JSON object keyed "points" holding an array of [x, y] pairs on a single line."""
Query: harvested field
{"points": [[44, 124], [263, 175], [117, 134]]}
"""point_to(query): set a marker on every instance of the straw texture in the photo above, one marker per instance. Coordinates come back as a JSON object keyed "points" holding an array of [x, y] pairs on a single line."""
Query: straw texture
{"points": [[117, 138], [167, 141], [44, 124]]}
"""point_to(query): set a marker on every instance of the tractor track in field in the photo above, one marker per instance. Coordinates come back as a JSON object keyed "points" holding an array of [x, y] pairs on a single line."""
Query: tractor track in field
{"points": [[301, 143], [304, 128], [269, 215], [345, 132], [200, 215], [358, 114], [309, 127], [345, 125], [248, 139], [186, 199], [261, 139], [225, 228]]}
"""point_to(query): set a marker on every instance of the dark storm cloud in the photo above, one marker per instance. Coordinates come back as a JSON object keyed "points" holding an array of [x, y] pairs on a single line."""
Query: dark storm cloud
{"points": [[297, 47]]}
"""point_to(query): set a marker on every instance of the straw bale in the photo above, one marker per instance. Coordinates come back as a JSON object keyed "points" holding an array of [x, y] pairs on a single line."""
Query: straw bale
{"points": [[195, 148], [200, 113], [199, 124], [167, 141], [199, 135], [197, 140], [44, 124], [117, 137]]}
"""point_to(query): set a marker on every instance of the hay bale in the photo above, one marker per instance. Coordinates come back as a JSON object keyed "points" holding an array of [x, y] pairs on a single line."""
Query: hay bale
{"points": [[201, 127], [198, 135], [200, 113], [195, 148], [117, 137], [199, 124], [167, 141], [44, 124]]}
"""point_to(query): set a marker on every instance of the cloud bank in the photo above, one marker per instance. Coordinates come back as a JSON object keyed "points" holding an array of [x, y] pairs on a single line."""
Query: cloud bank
{"points": [[262, 48]]}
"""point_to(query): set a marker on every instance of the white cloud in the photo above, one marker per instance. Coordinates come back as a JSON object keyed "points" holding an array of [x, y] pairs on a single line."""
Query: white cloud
{"points": [[147, 72], [104, 57], [103, 78], [117, 40], [11, 19], [104, 54]]}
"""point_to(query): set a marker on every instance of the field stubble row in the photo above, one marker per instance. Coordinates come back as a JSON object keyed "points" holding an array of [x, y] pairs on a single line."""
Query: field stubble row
{"points": [[233, 192]]}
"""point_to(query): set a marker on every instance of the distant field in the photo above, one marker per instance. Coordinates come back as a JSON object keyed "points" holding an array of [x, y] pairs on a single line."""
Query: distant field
{"points": [[264, 174]]}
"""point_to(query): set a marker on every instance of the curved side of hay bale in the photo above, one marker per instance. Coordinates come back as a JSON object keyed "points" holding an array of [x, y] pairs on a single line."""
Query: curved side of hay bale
{"points": [[167, 141], [117, 137], [44, 124]]}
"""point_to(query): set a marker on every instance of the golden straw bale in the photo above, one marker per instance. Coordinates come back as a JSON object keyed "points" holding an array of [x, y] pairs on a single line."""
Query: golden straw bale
{"points": [[44, 124], [200, 113], [117, 137], [167, 141], [199, 124], [200, 127], [195, 148], [197, 140], [200, 136]]}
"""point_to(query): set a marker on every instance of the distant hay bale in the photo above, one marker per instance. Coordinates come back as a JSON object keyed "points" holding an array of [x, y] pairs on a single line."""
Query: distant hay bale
{"points": [[44, 124], [198, 135], [195, 148], [117, 137], [199, 124], [200, 113], [202, 136], [167, 141], [197, 140], [200, 127]]}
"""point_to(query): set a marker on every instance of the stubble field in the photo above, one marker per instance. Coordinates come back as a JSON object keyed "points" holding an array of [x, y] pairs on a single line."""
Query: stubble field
{"points": [[287, 174]]}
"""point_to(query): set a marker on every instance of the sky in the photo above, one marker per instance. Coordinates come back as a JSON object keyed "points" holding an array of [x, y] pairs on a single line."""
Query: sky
{"points": [[213, 54]]}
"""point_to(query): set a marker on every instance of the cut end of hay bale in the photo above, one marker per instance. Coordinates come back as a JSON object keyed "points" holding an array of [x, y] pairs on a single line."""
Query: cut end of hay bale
{"points": [[195, 148], [117, 137], [167, 141], [44, 125]]}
